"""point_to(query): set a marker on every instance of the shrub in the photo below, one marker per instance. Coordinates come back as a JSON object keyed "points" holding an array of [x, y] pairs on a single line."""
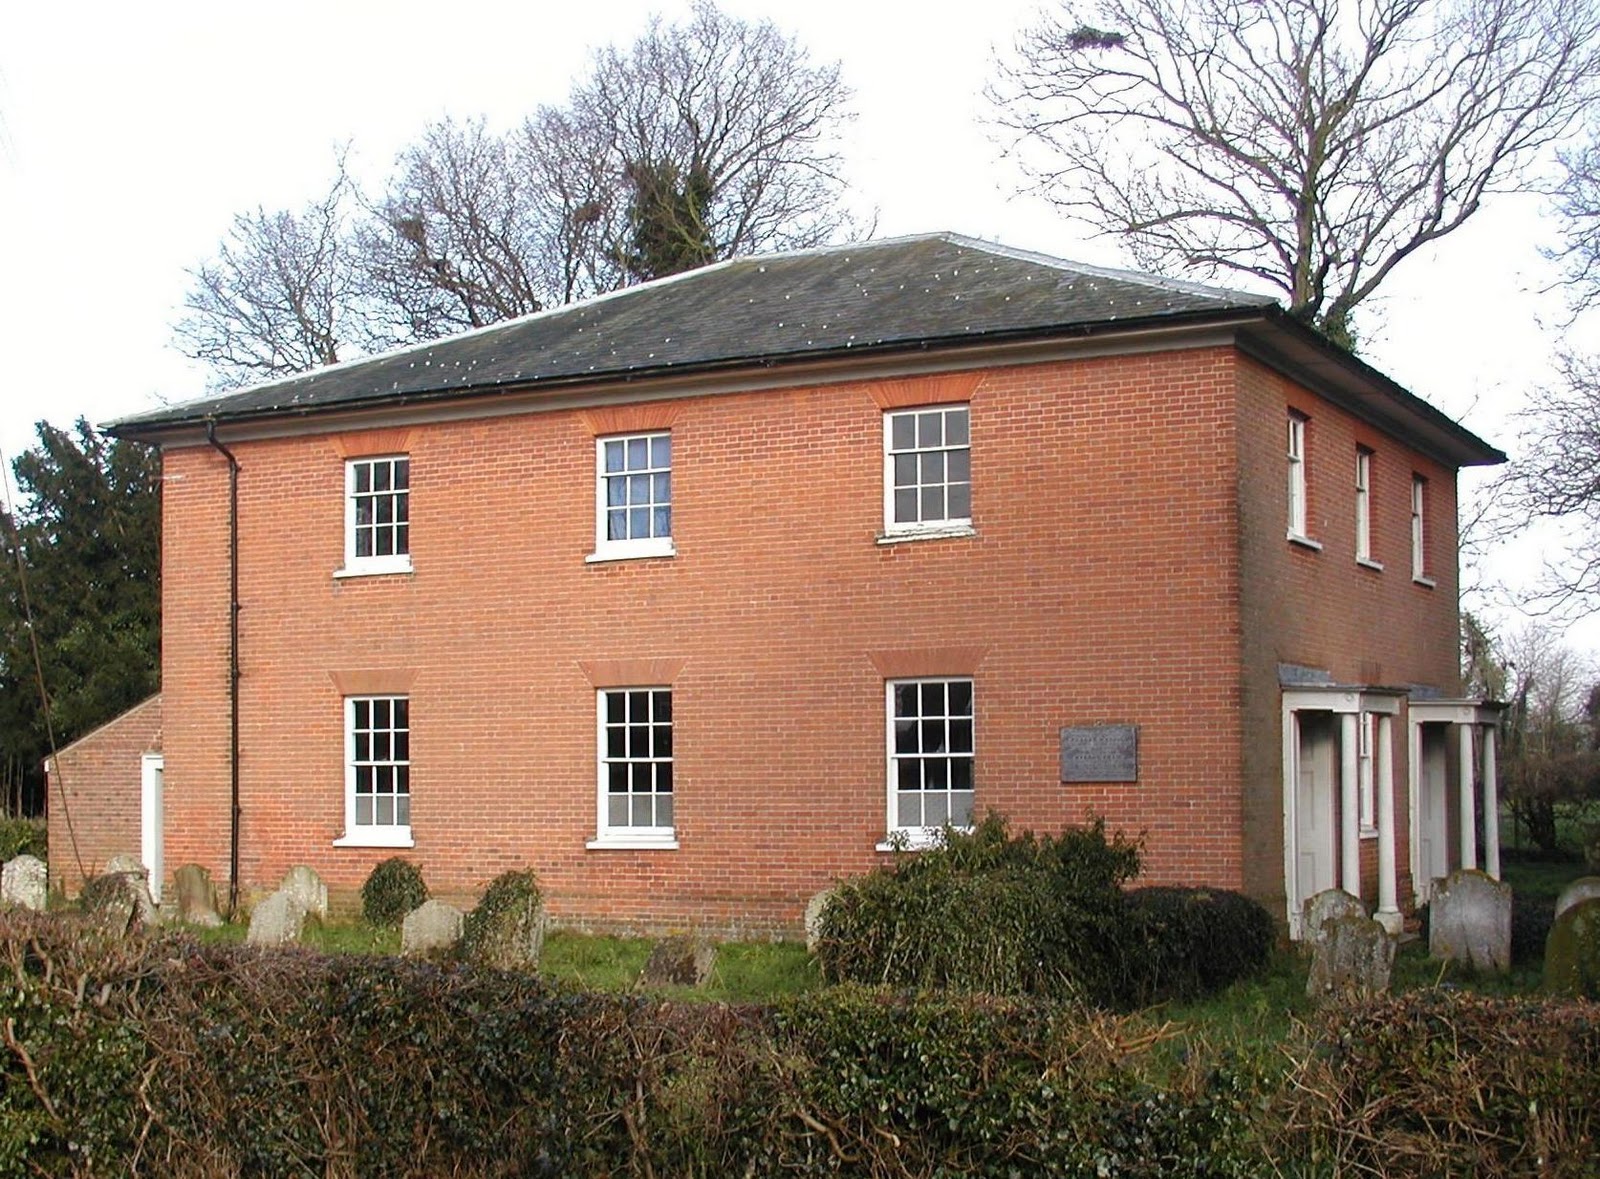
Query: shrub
{"points": [[1184, 943], [987, 912], [23, 837], [393, 889], [508, 918], [1442, 1082]]}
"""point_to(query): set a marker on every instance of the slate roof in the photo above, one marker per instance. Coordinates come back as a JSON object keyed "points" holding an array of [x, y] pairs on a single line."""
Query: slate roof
{"points": [[901, 294]]}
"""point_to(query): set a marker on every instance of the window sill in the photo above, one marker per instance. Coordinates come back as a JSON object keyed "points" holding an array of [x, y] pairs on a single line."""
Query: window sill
{"points": [[915, 839], [633, 843], [373, 568], [602, 556], [1305, 542], [391, 838], [1368, 833], [955, 530], [1423, 580], [1369, 563]]}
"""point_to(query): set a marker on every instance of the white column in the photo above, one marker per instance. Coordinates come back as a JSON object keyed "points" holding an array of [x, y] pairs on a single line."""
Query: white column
{"points": [[1388, 885], [1491, 807], [1349, 805], [1469, 809]]}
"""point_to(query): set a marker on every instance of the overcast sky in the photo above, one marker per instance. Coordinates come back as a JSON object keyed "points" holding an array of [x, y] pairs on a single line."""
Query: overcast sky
{"points": [[131, 134]]}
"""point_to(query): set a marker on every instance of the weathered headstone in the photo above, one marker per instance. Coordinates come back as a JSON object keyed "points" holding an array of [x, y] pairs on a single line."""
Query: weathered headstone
{"points": [[1325, 906], [119, 902], [679, 962], [1469, 921], [1584, 888], [303, 882], [25, 881], [1352, 956], [197, 896], [508, 935], [432, 925], [1572, 955], [126, 862], [814, 909], [277, 921]]}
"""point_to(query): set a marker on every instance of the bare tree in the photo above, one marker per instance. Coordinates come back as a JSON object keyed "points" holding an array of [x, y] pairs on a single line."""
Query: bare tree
{"points": [[701, 141], [1552, 746], [719, 138], [1308, 144], [1557, 477], [454, 244], [278, 296]]}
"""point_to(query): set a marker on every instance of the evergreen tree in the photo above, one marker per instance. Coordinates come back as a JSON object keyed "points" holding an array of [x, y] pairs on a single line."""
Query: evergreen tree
{"points": [[88, 528]]}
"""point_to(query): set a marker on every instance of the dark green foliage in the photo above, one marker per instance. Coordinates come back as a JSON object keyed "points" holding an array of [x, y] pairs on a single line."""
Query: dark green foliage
{"points": [[163, 1056], [508, 918], [953, 1085], [392, 889], [988, 912], [89, 524], [1185, 943], [23, 837]]}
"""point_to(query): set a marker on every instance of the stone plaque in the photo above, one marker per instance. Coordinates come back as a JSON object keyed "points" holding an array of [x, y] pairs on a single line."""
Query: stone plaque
{"points": [[1100, 753]]}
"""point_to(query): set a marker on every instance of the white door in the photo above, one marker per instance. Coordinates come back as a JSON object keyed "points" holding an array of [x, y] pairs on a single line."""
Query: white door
{"points": [[150, 813], [1433, 795], [1316, 860]]}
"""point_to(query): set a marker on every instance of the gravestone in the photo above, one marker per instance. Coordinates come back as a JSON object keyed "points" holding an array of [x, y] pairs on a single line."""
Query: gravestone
{"points": [[432, 925], [1325, 906], [25, 881], [814, 909], [127, 862], [1351, 957], [277, 921], [1572, 955], [679, 962], [506, 936], [118, 902], [1582, 889], [1469, 921], [304, 883], [197, 896]]}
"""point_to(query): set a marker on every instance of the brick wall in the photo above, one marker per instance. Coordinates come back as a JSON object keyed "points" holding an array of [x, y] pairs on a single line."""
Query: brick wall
{"points": [[1100, 587], [1320, 608], [94, 795]]}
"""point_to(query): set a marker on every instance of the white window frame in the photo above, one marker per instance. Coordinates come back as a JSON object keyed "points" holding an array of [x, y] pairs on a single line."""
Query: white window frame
{"points": [[606, 549], [1419, 532], [373, 834], [1299, 509], [1364, 509], [626, 836], [900, 836], [357, 566], [1366, 781], [949, 525]]}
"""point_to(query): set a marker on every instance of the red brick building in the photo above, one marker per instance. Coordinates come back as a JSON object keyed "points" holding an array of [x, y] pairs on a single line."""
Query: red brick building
{"points": [[104, 798], [690, 597]]}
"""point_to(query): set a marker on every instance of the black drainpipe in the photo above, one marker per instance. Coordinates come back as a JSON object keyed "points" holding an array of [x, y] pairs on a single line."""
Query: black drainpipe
{"points": [[233, 666]]}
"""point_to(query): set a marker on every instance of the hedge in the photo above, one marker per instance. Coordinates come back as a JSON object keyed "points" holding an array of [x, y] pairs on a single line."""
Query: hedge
{"points": [[167, 1057]]}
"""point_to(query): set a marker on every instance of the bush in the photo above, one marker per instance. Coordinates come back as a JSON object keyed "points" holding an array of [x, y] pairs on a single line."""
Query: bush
{"points": [[505, 922], [986, 912], [23, 837], [393, 889], [1441, 1082], [1184, 943]]}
